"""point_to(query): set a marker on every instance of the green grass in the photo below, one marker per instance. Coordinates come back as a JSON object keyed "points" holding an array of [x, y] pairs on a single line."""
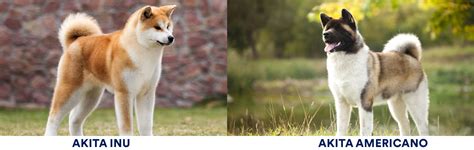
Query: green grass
{"points": [[167, 121], [290, 104], [243, 73]]}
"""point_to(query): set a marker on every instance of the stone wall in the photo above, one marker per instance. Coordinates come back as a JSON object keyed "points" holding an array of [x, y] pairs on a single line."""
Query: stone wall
{"points": [[194, 67]]}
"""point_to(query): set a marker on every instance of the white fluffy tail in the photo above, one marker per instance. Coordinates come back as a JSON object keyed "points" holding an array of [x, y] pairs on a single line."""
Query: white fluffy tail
{"points": [[75, 26], [405, 43]]}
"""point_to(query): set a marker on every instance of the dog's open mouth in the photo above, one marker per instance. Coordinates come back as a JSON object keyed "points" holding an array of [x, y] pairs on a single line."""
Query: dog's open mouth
{"points": [[163, 44], [330, 47], [160, 43]]}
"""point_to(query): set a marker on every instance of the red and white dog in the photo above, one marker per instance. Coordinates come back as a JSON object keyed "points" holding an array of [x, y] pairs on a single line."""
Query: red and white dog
{"points": [[126, 62]]}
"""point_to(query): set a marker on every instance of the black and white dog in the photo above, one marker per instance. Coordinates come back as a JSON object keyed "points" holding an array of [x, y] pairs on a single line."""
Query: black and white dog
{"points": [[363, 78]]}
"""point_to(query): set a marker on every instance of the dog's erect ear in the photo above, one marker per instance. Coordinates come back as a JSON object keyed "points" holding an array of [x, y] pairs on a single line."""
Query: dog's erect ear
{"points": [[324, 19], [147, 14], [169, 9], [347, 17]]}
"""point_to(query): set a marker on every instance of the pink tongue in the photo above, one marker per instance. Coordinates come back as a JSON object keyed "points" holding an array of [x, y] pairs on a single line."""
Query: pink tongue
{"points": [[329, 47]]}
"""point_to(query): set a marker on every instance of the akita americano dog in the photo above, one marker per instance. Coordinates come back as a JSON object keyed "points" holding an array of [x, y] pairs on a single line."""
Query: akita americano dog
{"points": [[126, 62], [362, 78]]}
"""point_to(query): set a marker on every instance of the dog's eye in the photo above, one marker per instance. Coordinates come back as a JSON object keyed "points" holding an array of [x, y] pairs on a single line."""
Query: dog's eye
{"points": [[168, 26], [157, 27]]}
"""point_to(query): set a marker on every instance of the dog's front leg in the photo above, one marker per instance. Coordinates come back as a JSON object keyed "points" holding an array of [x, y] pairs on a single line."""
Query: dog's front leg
{"points": [[366, 120], [366, 117], [144, 107], [123, 112], [343, 116]]}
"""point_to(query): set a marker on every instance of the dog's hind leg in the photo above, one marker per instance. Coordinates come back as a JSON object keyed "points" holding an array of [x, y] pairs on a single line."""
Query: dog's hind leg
{"points": [[64, 99], [418, 103], [67, 93], [399, 113], [83, 109]]}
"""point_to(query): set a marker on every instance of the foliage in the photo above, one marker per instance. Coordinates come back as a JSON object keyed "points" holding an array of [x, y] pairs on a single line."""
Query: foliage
{"points": [[333, 9], [290, 28], [456, 16], [247, 18], [275, 26]]}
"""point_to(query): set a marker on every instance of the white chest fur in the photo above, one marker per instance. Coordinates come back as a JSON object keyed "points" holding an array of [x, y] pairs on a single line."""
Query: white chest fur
{"points": [[147, 69], [347, 74]]}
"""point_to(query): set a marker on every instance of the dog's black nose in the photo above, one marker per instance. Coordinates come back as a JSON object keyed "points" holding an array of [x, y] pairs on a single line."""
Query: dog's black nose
{"points": [[170, 39], [326, 34]]}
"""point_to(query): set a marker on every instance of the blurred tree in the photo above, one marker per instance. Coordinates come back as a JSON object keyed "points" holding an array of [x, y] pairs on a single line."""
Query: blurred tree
{"points": [[280, 23], [291, 33], [278, 28], [246, 18], [458, 15], [305, 40]]}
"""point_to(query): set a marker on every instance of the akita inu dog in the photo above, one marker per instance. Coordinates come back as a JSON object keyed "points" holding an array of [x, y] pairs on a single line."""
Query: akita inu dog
{"points": [[126, 62], [362, 78]]}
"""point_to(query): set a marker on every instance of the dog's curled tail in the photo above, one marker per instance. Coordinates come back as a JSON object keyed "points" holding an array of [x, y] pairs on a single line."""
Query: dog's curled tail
{"points": [[405, 43], [75, 26]]}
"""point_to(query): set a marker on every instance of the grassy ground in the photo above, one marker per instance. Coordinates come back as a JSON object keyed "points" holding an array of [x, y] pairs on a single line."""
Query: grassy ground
{"points": [[194, 121], [291, 96]]}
